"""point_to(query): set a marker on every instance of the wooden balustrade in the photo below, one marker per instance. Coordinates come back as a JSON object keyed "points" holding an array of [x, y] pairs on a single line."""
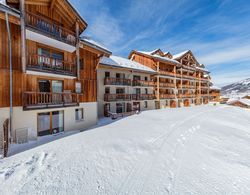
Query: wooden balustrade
{"points": [[50, 28], [167, 96], [117, 81], [36, 100], [143, 96], [127, 97], [168, 85], [143, 83], [117, 97], [49, 64]]}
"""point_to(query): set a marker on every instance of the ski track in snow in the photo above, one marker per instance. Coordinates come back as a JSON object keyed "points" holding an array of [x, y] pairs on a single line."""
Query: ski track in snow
{"points": [[175, 153], [133, 181]]}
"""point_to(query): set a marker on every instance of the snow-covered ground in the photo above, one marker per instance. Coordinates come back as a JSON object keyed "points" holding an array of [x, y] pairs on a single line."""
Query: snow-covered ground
{"points": [[197, 150]]}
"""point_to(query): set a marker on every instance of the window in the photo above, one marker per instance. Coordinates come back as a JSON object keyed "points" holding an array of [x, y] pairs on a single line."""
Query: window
{"points": [[79, 114], [145, 104], [146, 91], [120, 107], [146, 78], [51, 58], [107, 90], [120, 90], [107, 74], [78, 87], [136, 77], [120, 75], [81, 63]]}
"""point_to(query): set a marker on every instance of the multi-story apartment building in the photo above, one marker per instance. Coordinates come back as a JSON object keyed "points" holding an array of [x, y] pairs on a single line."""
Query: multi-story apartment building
{"points": [[215, 94], [124, 86], [180, 80], [48, 79]]}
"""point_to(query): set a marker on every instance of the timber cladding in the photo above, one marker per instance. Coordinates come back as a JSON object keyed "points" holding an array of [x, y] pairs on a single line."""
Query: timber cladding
{"points": [[24, 82]]}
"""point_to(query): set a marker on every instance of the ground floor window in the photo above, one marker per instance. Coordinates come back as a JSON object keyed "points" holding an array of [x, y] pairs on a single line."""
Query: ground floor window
{"points": [[50, 122], [145, 104], [79, 114], [106, 109], [120, 107], [166, 102]]}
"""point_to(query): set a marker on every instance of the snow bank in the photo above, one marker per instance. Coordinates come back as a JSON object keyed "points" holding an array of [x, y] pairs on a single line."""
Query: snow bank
{"points": [[198, 150]]}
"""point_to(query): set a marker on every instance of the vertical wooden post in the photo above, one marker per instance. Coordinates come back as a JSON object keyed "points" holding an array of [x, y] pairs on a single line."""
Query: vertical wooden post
{"points": [[158, 82], [23, 35], [77, 50]]}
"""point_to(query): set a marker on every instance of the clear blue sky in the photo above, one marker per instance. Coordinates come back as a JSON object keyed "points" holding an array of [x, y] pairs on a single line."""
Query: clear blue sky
{"points": [[218, 32]]}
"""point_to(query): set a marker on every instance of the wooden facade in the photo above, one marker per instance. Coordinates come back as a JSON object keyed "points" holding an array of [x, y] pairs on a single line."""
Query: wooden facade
{"points": [[180, 79], [57, 20]]}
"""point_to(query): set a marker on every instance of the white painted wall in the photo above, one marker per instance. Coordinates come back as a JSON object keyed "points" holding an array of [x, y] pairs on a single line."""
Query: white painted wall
{"points": [[28, 119], [128, 89]]}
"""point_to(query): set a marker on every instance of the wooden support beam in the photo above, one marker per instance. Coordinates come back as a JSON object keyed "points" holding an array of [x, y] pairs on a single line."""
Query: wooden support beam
{"points": [[77, 50], [23, 35], [158, 82], [52, 4]]}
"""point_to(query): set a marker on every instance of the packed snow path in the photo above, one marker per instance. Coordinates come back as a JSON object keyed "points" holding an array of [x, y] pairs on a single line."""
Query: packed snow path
{"points": [[198, 150]]}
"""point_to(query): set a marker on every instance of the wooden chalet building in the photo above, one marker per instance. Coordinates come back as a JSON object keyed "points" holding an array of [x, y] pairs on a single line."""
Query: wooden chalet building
{"points": [[214, 94], [54, 79], [124, 86], [180, 80]]}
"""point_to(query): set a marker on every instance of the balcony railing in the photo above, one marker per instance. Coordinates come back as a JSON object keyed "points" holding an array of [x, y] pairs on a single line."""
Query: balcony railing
{"points": [[52, 65], [127, 97], [117, 97], [167, 96], [143, 83], [38, 100], [117, 81], [186, 95], [186, 86], [50, 28], [167, 85], [143, 96]]}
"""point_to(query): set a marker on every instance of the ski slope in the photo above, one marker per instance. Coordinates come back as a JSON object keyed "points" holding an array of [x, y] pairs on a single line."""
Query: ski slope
{"points": [[196, 150]]}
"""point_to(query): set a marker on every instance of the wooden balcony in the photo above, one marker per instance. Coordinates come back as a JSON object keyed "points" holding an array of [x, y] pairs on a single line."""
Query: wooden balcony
{"points": [[186, 96], [143, 96], [42, 100], [50, 28], [167, 85], [167, 96], [186, 86], [117, 81], [117, 97], [143, 83], [50, 65], [167, 73]]}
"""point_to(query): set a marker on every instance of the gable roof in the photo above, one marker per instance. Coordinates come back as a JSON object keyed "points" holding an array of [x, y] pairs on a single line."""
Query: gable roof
{"points": [[94, 44], [179, 55], [156, 56], [120, 62]]}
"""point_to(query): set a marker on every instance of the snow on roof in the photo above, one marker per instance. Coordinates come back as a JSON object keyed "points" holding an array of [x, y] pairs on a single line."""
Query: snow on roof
{"points": [[177, 56], [76, 10], [241, 100], [159, 57], [94, 44], [203, 69], [125, 63], [10, 10], [215, 87]]}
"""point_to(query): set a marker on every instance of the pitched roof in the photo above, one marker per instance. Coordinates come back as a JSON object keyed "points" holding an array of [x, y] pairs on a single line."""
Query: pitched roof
{"points": [[94, 44], [159, 57], [116, 61], [179, 55], [243, 101]]}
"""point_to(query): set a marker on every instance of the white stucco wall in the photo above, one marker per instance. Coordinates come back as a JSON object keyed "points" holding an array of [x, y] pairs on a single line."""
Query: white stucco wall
{"points": [[128, 89], [28, 119]]}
